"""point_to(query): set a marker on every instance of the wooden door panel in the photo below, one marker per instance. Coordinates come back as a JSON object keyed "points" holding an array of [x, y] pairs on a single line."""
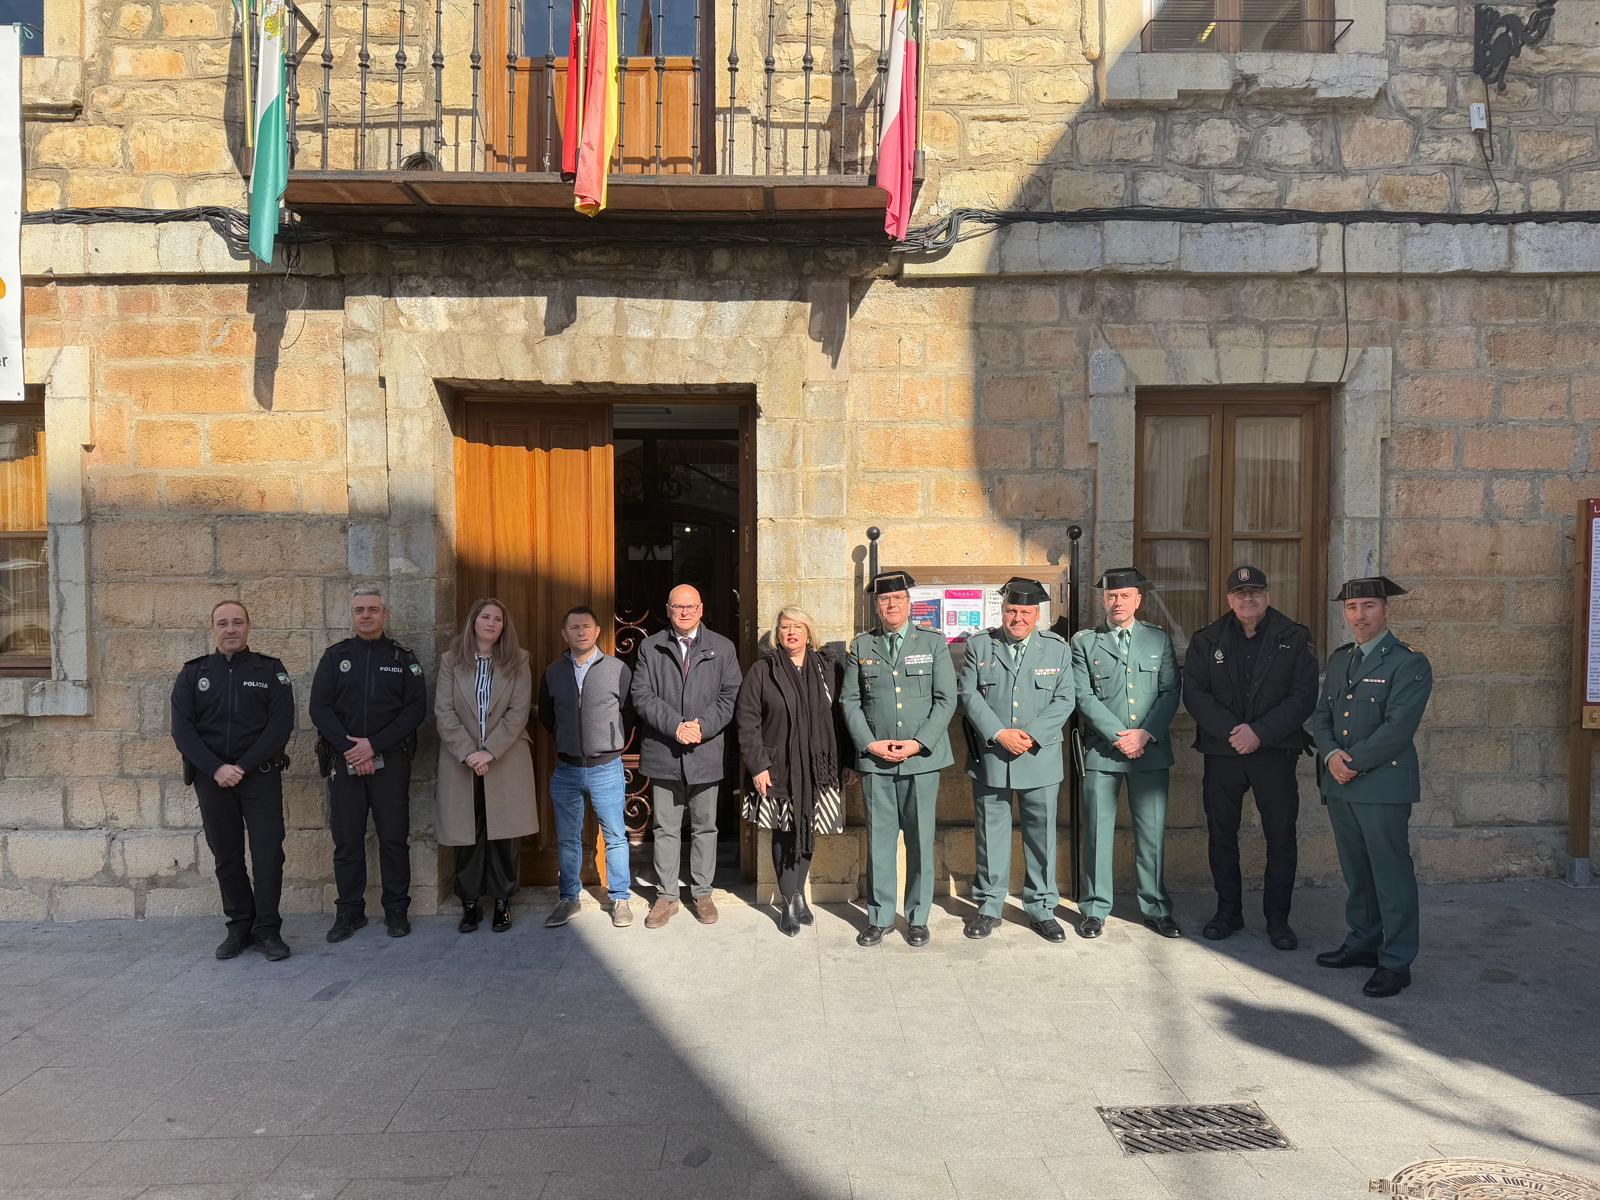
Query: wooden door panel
{"points": [[538, 105], [533, 528]]}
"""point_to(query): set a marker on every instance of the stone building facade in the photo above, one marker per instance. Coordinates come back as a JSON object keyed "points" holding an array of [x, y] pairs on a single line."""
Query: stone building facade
{"points": [[274, 435]]}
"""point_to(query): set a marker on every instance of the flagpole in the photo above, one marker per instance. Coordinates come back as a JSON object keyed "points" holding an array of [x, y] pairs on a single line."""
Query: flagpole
{"points": [[918, 163], [249, 108]]}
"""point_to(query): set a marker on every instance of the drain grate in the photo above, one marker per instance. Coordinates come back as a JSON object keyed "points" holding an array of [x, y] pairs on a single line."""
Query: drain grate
{"points": [[1192, 1128]]}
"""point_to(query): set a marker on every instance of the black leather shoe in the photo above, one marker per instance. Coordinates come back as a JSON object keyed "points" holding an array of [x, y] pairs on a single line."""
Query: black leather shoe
{"points": [[1049, 929], [273, 948], [789, 918], [1281, 936], [1165, 926], [870, 936], [502, 916], [343, 927], [1342, 957], [802, 910], [234, 944], [1385, 982], [396, 924], [979, 926], [917, 936], [1091, 927], [471, 916], [1220, 926]]}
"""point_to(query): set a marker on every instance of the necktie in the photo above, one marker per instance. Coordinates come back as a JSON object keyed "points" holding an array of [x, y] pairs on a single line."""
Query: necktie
{"points": [[687, 644], [1016, 653], [1123, 640], [894, 647]]}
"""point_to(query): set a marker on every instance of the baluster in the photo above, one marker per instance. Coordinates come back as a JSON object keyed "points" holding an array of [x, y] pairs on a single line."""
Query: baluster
{"points": [[438, 80], [327, 74], [291, 37], [847, 79], [661, 70], [806, 64], [511, 86], [771, 63], [883, 62], [622, 82], [550, 79], [475, 59], [400, 61], [694, 75], [364, 65], [733, 83]]}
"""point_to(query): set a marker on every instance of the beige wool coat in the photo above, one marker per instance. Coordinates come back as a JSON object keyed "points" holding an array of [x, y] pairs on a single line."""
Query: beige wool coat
{"points": [[509, 804]]}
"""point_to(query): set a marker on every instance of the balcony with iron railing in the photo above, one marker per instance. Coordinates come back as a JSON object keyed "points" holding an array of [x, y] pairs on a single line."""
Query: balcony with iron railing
{"points": [[728, 109]]}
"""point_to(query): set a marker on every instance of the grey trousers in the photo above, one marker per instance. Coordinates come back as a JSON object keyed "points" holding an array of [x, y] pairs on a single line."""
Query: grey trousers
{"points": [[668, 799]]}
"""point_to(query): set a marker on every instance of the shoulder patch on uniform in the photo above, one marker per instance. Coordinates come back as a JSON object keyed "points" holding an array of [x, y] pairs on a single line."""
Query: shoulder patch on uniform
{"points": [[283, 677], [416, 669]]}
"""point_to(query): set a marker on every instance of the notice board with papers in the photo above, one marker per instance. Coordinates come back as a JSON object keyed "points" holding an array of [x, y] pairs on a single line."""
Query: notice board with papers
{"points": [[961, 601]]}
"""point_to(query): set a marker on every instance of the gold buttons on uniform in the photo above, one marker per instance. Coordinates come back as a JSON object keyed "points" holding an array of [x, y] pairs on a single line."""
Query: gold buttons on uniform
{"points": [[1346, 714], [1344, 733], [897, 692], [896, 674], [899, 705]]}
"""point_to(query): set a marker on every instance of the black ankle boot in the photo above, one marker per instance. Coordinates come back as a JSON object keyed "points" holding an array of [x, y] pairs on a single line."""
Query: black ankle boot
{"points": [[789, 919], [502, 916], [471, 914], [802, 910]]}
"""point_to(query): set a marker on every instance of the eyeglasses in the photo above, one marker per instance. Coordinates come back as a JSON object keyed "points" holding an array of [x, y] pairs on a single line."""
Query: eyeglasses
{"points": [[685, 608]]}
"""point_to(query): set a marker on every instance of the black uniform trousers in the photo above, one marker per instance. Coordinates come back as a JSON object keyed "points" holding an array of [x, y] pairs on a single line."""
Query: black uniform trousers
{"points": [[1269, 775], [254, 804], [488, 867], [386, 794]]}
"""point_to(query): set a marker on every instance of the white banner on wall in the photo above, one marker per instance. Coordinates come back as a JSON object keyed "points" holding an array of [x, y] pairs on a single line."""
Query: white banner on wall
{"points": [[10, 213]]}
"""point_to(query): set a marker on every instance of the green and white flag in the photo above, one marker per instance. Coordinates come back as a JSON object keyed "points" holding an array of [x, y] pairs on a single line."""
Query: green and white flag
{"points": [[271, 168]]}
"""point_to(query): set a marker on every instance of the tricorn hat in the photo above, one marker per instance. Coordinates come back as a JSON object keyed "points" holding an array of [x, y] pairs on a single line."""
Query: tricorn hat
{"points": [[1372, 587], [1018, 590], [1246, 576], [891, 581], [1121, 577]]}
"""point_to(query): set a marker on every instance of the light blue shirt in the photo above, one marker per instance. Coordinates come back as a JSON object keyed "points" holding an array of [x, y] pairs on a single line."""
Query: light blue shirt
{"points": [[580, 669]]}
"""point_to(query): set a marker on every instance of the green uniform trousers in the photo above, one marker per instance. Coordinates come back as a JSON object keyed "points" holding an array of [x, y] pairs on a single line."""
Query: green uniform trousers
{"points": [[1147, 803], [992, 833], [1375, 856], [896, 802]]}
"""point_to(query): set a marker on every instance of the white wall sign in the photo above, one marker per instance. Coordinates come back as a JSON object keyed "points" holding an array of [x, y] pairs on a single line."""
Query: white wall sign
{"points": [[960, 610], [10, 213]]}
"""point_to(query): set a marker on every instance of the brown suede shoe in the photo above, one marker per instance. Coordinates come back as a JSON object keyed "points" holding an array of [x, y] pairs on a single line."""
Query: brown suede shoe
{"points": [[705, 910], [621, 914], [661, 912]]}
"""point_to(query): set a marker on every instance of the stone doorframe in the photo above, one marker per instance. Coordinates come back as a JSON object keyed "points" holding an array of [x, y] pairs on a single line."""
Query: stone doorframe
{"points": [[1359, 418]]}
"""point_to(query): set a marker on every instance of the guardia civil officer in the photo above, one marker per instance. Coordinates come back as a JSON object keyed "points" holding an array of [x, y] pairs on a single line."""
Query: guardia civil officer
{"points": [[1127, 682], [1250, 682], [367, 700], [898, 696], [1016, 695], [232, 714], [1373, 695]]}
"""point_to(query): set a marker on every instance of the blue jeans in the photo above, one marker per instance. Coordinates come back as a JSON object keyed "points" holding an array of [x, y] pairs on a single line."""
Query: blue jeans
{"points": [[604, 788]]}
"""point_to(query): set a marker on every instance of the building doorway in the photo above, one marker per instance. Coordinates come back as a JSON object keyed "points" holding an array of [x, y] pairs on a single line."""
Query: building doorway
{"points": [[608, 502]]}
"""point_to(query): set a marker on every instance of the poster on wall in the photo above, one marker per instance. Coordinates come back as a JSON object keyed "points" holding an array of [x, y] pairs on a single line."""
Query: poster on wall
{"points": [[1591, 690], [961, 610], [10, 213]]}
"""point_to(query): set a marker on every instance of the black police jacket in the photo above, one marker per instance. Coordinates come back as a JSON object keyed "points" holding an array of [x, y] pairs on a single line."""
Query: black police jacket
{"points": [[1275, 701], [372, 689], [235, 711]]}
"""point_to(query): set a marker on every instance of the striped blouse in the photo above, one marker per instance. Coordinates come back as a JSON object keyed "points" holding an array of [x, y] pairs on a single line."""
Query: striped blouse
{"points": [[485, 685]]}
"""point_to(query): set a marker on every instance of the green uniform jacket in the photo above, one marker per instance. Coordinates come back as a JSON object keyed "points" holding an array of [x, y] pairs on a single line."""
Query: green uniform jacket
{"points": [[1371, 711], [1114, 695], [912, 699], [1036, 697]]}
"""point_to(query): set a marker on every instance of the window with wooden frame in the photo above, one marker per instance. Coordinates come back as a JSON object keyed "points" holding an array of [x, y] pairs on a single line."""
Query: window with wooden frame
{"points": [[1225, 478], [1235, 26], [24, 571]]}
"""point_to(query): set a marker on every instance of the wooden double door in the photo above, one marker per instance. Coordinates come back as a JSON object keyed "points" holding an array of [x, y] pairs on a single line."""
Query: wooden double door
{"points": [[537, 526]]}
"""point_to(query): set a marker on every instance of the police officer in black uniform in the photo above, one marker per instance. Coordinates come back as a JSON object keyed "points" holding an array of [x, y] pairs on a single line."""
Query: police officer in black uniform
{"points": [[1250, 682], [367, 700], [232, 714]]}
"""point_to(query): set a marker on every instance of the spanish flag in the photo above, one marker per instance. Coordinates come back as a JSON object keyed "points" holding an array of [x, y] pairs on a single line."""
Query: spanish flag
{"points": [[897, 153], [595, 138]]}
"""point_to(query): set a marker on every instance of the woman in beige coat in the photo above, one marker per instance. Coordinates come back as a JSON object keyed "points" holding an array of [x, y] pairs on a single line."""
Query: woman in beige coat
{"points": [[485, 800]]}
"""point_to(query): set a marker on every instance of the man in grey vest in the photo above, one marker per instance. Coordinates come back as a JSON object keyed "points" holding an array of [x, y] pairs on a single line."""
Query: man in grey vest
{"points": [[581, 701]]}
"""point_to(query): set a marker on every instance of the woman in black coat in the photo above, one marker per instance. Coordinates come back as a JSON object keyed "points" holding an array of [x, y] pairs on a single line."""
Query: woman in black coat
{"points": [[790, 737]]}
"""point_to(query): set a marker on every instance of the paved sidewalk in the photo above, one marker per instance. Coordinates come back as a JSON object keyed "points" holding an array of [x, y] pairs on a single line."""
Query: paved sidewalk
{"points": [[731, 1062]]}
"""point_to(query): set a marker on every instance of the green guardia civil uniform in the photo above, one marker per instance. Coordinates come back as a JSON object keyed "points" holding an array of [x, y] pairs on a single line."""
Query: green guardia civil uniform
{"points": [[1371, 703], [900, 686], [1125, 680], [1027, 685]]}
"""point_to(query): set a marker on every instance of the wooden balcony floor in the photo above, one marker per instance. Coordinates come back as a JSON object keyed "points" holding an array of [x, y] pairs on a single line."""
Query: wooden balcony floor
{"points": [[673, 197]]}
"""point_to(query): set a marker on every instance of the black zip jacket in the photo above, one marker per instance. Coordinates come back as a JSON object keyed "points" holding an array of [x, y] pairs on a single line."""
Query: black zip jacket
{"points": [[235, 711], [1276, 701], [372, 689]]}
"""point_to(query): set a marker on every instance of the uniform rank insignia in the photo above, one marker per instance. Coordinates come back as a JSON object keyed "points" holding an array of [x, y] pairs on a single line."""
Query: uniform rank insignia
{"points": [[1374, 681], [344, 664], [1047, 670], [415, 669], [283, 678], [912, 660], [1217, 654], [204, 685]]}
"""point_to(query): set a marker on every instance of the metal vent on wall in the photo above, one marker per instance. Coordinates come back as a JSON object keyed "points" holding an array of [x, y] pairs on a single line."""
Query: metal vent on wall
{"points": [[1192, 1128]]}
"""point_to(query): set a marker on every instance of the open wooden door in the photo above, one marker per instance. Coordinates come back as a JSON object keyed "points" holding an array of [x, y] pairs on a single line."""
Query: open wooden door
{"points": [[534, 527]]}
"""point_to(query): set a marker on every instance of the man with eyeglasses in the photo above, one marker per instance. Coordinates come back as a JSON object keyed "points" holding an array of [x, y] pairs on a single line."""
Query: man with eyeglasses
{"points": [[685, 682]]}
